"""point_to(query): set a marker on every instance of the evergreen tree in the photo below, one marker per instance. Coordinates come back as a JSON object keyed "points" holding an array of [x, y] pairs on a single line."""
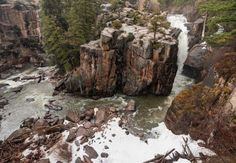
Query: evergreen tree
{"points": [[82, 18], [66, 24], [221, 12]]}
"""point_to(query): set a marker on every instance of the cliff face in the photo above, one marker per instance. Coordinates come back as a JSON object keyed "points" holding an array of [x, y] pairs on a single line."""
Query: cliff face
{"points": [[126, 60], [19, 35], [207, 110]]}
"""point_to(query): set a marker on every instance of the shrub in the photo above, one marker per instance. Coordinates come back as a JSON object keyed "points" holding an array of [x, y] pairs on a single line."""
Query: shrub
{"points": [[116, 24]]}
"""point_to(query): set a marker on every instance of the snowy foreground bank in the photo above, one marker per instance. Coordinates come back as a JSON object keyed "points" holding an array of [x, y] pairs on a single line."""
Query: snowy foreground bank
{"points": [[121, 147]]}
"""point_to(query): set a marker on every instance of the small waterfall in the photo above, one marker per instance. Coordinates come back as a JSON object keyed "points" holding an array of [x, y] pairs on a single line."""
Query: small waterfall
{"points": [[181, 81]]}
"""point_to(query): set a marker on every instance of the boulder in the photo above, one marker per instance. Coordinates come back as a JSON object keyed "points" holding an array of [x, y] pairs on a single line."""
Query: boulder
{"points": [[3, 102], [195, 32], [194, 63], [104, 155], [72, 135], [20, 134], [82, 132], [87, 159], [78, 160], [88, 125], [90, 151], [131, 106], [100, 116], [72, 116], [40, 124]]}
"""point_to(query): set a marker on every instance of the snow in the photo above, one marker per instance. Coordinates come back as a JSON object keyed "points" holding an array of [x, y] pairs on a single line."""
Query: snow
{"points": [[125, 148]]}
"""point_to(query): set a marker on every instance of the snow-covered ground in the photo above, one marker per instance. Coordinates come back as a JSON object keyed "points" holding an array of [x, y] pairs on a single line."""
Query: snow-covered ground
{"points": [[127, 148]]}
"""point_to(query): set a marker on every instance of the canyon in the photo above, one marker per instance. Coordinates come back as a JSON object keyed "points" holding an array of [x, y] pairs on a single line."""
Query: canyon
{"points": [[133, 90]]}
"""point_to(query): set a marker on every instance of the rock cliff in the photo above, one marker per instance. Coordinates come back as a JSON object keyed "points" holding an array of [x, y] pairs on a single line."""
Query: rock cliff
{"points": [[19, 35], [126, 60], [207, 110]]}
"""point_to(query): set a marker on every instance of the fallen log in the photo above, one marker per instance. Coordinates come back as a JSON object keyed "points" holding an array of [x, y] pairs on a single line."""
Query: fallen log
{"points": [[160, 159]]}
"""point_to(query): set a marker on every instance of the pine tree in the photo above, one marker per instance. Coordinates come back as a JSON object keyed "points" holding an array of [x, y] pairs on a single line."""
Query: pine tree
{"points": [[66, 24], [221, 12], [82, 18]]}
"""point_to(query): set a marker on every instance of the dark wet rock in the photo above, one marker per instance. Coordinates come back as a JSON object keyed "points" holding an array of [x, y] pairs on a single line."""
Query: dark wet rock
{"points": [[20, 135], [83, 139], [29, 77], [78, 160], [16, 89], [72, 116], [43, 161], [55, 121], [3, 85], [3, 102], [60, 85], [77, 143], [131, 106], [29, 122], [30, 100], [194, 63], [90, 151], [53, 107], [39, 124], [72, 135], [87, 159], [104, 155], [100, 116], [70, 125]]}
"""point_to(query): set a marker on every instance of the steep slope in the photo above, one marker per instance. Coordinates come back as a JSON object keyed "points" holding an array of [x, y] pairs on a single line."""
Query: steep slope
{"points": [[207, 110]]}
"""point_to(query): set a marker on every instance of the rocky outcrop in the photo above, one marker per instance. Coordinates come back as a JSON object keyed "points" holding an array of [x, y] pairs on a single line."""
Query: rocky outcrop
{"points": [[195, 61], [19, 35], [195, 31], [207, 110], [126, 60]]}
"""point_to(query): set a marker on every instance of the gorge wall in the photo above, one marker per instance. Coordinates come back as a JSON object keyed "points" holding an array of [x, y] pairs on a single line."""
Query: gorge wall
{"points": [[126, 60], [207, 110], [19, 35]]}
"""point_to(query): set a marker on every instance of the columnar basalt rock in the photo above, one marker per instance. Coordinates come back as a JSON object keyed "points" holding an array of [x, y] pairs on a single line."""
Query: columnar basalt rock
{"points": [[126, 60]]}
